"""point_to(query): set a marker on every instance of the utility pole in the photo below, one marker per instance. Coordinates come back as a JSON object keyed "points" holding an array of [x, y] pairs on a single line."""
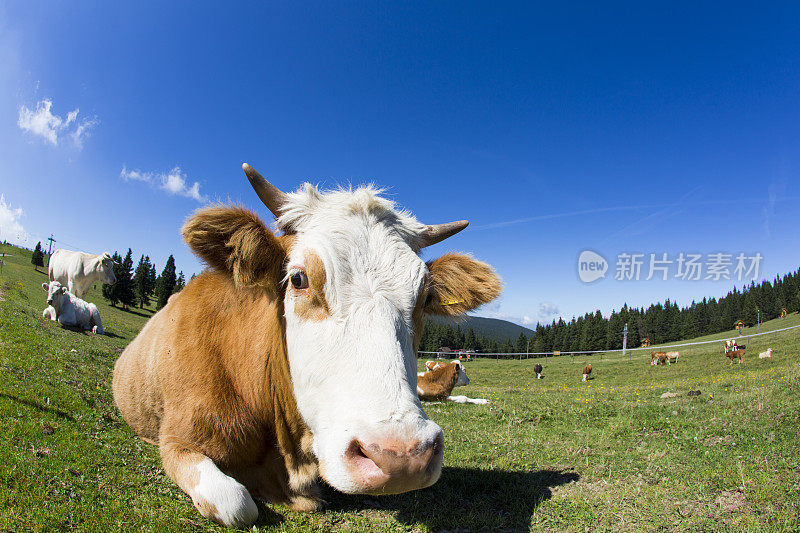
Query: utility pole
{"points": [[625, 339], [49, 248]]}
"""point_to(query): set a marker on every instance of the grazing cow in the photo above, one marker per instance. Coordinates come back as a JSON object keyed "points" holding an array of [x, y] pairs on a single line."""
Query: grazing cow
{"points": [[69, 310], [439, 383], [538, 369], [658, 358], [672, 357], [765, 355], [586, 371], [736, 354], [77, 270], [294, 356]]}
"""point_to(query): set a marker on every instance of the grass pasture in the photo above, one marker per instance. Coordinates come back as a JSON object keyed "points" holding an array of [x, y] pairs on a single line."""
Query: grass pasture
{"points": [[554, 454]]}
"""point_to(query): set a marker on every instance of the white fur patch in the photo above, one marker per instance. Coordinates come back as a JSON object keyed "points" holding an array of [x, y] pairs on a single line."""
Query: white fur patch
{"points": [[235, 507]]}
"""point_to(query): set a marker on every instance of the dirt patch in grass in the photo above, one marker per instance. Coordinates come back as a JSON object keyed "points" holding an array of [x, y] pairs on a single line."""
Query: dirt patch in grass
{"points": [[730, 501]]}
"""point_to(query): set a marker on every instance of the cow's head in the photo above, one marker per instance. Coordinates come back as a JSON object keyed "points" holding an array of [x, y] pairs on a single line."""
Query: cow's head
{"points": [[54, 291], [462, 380], [355, 293], [105, 267]]}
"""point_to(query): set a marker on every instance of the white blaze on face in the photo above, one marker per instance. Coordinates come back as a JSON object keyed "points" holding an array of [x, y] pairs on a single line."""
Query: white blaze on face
{"points": [[54, 293], [352, 359]]}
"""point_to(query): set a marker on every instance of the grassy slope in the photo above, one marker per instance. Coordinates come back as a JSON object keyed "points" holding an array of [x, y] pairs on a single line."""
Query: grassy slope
{"points": [[551, 454]]}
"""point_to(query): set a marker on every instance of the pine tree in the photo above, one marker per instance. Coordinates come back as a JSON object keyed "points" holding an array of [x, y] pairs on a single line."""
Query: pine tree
{"points": [[166, 283], [141, 285], [37, 259], [522, 343], [112, 292], [180, 283], [127, 295]]}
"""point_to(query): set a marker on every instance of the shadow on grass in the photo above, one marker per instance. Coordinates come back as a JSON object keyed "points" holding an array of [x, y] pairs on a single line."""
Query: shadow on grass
{"points": [[39, 406], [466, 498], [144, 313]]}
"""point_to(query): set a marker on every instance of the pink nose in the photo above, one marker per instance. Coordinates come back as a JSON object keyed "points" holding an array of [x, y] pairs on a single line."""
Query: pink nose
{"points": [[392, 466]]}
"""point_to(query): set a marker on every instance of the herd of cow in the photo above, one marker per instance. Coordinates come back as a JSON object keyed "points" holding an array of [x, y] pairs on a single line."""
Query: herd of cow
{"points": [[732, 349], [293, 356]]}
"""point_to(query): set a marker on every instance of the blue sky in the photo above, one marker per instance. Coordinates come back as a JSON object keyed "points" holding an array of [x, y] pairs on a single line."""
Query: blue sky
{"points": [[621, 127]]}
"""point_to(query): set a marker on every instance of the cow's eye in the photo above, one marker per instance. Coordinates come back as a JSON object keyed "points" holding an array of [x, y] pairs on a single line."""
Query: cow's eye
{"points": [[299, 280]]}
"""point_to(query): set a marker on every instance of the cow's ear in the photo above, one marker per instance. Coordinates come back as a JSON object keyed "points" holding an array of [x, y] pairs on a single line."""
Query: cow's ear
{"points": [[45, 287], [234, 241], [63, 290], [459, 283]]}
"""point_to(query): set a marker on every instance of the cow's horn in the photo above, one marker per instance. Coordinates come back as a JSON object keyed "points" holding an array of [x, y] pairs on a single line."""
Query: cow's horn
{"points": [[272, 197], [439, 232]]}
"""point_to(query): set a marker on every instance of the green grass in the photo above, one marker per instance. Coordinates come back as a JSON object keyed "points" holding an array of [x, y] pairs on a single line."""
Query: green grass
{"points": [[553, 454]]}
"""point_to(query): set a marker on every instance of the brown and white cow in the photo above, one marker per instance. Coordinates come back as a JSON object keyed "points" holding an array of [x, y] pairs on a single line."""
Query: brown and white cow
{"points": [[658, 358], [587, 370], [735, 354], [295, 355], [439, 382], [672, 357], [537, 368]]}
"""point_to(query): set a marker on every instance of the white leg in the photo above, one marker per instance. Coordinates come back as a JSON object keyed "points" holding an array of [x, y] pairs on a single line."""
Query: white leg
{"points": [[216, 495], [464, 399]]}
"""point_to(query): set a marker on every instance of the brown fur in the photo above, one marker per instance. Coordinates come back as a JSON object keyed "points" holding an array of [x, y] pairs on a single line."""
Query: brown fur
{"points": [[735, 354], [587, 369], [438, 383], [459, 284], [197, 387], [234, 240]]}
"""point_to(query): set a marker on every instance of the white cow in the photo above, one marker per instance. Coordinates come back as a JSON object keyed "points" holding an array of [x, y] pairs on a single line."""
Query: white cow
{"points": [[765, 355], [70, 310], [77, 270]]}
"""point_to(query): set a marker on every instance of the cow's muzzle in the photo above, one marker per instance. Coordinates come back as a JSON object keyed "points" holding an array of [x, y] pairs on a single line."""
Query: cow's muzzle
{"points": [[392, 466]]}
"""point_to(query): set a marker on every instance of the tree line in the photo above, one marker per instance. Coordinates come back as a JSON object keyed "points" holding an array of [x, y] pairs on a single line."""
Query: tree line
{"points": [[140, 286], [660, 323]]}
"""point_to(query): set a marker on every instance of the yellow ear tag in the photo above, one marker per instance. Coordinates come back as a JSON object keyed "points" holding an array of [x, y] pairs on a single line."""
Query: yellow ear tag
{"points": [[452, 302]]}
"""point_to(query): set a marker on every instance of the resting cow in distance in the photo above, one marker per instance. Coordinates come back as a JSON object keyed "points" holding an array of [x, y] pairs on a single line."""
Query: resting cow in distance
{"points": [[294, 355], [70, 310], [77, 270], [437, 384]]}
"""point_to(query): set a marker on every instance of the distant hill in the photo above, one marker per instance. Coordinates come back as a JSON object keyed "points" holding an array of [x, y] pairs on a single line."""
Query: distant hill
{"points": [[491, 328]]}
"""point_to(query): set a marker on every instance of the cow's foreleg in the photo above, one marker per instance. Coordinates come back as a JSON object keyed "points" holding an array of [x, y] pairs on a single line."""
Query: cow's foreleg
{"points": [[217, 496], [464, 399], [98, 323]]}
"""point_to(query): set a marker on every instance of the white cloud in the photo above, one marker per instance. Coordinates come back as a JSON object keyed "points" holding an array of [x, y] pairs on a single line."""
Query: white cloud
{"points": [[10, 228], [548, 309], [42, 122], [174, 182]]}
